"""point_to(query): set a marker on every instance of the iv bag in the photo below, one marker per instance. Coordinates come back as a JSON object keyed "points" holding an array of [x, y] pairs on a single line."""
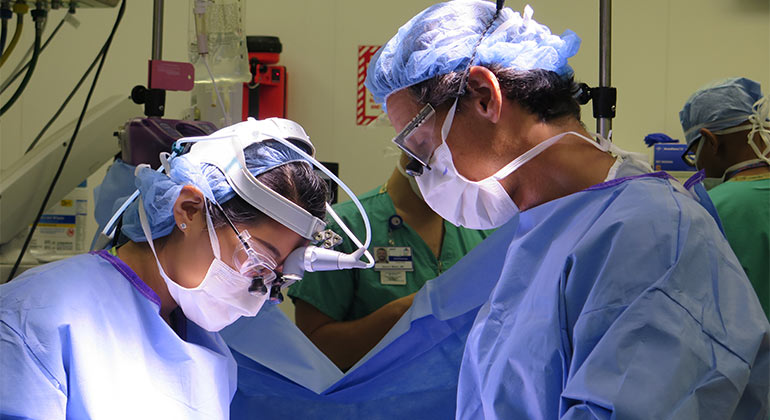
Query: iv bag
{"points": [[227, 58], [226, 39]]}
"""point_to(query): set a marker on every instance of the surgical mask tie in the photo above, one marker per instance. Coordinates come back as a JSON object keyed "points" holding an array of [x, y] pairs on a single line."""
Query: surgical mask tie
{"points": [[760, 125], [481, 204]]}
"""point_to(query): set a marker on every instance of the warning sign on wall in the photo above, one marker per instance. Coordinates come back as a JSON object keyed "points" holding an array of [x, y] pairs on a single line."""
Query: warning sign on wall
{"points": [[366, 109]]}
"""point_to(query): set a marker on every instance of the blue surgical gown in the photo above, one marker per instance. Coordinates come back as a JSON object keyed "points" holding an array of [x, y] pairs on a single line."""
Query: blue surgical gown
{"points": [[413, 371], [622, 301], [83, 338]]}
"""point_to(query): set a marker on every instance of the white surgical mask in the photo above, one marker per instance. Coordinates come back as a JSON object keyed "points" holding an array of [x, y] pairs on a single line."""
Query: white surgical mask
{"points": [[221, 298], [481, 204]]}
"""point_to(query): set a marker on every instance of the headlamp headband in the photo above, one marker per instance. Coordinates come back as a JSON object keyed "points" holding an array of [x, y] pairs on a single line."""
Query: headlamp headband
{"points": [[232, 163]]}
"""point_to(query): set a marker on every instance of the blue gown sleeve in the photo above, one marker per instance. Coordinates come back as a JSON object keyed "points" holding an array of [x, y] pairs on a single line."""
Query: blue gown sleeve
{"points": [[28, 390], [685, 339]]}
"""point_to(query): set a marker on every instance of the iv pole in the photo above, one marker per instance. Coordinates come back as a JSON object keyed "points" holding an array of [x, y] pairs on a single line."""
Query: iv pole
{"points": [[604, 96], [157, 29], [153, 99], [604, 119]]}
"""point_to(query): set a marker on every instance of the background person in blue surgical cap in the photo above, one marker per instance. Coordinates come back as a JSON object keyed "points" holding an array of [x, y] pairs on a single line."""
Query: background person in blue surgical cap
{"points": [[619, 296], [726, 124], [133, 334]]}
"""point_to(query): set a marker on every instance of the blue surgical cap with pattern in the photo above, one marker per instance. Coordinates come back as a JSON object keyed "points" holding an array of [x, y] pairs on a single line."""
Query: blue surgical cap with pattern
{"points": [[440, 40], [721, 104]]}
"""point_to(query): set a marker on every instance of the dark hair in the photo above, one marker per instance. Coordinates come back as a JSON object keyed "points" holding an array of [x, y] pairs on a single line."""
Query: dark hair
{"points": [[294, 180], [542, 92]]}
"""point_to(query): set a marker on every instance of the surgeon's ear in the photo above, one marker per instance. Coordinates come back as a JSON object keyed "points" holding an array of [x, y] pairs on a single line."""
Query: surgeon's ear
{"points": [[487, 97], [189, 210], [712, 141]]}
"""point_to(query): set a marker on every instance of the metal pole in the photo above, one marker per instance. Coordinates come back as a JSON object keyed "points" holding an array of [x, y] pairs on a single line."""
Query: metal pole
{"points": [[604, 125], [157, 29]]}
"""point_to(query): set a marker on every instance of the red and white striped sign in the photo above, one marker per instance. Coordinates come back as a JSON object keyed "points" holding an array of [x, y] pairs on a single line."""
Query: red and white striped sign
{"points": [[366, 109]]}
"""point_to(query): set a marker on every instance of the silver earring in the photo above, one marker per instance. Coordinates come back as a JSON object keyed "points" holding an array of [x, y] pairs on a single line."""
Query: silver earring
{"points": [[183, 226]]}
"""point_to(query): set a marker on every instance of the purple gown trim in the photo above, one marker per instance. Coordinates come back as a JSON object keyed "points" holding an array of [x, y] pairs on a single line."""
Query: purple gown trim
{"points": [[698, 177], [616, 181], [129, 274]]}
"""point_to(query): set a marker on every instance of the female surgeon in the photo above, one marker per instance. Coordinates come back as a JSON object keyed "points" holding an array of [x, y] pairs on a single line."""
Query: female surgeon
{"points": [[131, 332]]}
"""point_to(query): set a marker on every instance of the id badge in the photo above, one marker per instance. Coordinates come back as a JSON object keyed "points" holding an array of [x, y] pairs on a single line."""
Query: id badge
{"points": [[393, 258]]}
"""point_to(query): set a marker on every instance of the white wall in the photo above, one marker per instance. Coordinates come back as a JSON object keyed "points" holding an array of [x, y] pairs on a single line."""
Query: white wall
{"points": [[662, 51]]}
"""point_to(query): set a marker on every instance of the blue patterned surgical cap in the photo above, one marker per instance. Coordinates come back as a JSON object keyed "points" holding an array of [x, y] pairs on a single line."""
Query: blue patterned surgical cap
{"points": [[441, 38]]}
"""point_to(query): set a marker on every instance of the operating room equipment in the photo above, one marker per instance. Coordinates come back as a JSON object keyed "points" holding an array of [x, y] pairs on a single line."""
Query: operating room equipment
{"points": [[142, 140], [218, 51], [20, 183], [5, 15], [264, 96], [101, 57], [24, 64], [39, 16], [604, 96], [20, 9]]}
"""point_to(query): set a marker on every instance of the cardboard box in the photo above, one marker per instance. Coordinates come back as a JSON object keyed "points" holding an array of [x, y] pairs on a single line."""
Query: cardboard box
{"points": [[668, 157]]}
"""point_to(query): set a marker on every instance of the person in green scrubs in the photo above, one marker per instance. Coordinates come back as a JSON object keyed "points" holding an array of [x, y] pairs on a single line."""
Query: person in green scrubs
{"points": [[346, 313], [727, 124], [743, 204]]}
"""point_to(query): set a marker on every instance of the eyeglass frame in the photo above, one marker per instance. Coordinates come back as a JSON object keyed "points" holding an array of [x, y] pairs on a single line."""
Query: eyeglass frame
{"points": [[399, 140], [690, 156], [257, 284]]}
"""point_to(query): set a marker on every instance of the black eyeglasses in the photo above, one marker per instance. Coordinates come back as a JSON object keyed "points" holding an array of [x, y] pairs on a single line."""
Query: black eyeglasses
{"points": [[416, 140], [689, 155]]}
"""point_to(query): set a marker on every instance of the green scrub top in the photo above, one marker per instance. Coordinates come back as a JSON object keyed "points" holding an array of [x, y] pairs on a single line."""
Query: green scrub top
{"points": [[743, 204], [347, 295]]}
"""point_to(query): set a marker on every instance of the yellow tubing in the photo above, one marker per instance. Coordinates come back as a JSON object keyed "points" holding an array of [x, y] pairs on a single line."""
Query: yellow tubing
{"points": [[20, 9]]}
